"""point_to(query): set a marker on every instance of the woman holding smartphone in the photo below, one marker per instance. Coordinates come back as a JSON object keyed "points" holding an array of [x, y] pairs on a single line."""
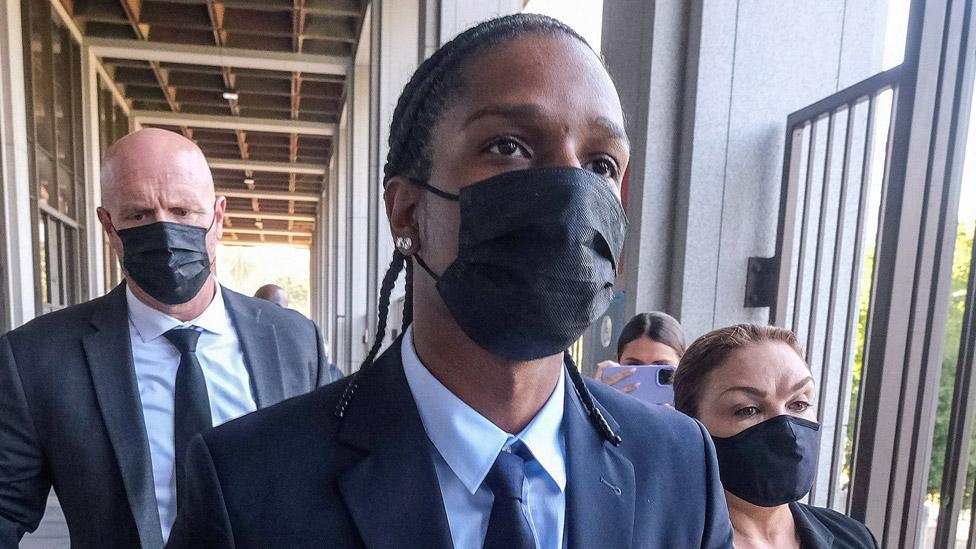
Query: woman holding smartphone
{"points": [[653, 338]]}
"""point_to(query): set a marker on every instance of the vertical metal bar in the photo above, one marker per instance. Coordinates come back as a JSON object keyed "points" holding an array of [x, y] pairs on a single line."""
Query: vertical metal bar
{"points": [[958, 438], [811, 338], [854, 304], [786, 230], [832, 300], [798, 293]]}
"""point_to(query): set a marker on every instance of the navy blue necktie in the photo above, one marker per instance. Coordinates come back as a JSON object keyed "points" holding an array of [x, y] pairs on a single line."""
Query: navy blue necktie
{"points": [[508, 527], [191, 405]]}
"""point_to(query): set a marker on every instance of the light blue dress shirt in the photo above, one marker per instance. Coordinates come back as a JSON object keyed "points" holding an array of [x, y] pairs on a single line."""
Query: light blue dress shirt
{"points": [[156, 361], [467, 444]]}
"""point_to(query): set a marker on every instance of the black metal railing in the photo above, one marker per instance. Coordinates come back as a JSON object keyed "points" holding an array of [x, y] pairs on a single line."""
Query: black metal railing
{"points": [[813, 285]]}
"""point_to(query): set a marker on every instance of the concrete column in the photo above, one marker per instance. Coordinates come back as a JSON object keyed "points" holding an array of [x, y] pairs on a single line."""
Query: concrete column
{"points": [[94, 236], [458, 15], [359, 193], [17, 254], [707, 87], [393, 56], [341, 345]]}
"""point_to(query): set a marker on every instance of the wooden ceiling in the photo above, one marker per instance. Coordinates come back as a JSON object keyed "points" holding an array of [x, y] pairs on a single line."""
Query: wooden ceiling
{"points": [[258, 84]]}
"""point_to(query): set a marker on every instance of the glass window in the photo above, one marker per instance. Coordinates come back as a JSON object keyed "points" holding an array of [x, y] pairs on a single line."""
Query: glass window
{"points": [[55, 148]]}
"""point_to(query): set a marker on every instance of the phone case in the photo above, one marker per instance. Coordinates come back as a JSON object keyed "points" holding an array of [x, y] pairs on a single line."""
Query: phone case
{"points": [[651, 390]]}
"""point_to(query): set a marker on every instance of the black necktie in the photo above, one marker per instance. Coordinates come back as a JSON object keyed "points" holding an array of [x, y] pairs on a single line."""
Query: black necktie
{"points": [[191, 405], [508, 528]]}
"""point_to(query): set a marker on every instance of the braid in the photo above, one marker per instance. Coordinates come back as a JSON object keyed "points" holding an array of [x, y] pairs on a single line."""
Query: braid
{"points": [[594, 413], [437, 81], [408, 298], [389, 280]]}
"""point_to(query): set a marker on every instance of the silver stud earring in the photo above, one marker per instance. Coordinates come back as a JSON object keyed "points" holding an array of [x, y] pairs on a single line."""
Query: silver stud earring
{"points": [[404, 243]]}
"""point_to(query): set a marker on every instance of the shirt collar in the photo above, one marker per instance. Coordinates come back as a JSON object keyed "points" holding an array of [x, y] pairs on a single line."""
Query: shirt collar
{"points": [[150, 323], [469, 442], [812, 532]]}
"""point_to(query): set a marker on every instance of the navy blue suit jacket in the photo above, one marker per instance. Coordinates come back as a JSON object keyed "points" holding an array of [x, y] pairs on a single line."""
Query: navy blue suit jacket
{"points": [[70, 415], [295, 475]]}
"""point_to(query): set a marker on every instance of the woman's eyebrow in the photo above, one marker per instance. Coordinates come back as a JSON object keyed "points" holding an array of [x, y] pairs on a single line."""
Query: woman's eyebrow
{"points": [[744, 389], [807, 380]]}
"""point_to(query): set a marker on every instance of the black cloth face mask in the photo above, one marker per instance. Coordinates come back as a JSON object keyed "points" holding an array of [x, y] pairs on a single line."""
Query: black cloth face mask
{"points": [[771, 463], [169, 261], [537, 257]]}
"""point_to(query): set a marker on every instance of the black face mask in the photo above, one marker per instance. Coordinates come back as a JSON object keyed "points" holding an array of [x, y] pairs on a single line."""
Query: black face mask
{"points": [[537, 257], [169, 261], [771, 463]]}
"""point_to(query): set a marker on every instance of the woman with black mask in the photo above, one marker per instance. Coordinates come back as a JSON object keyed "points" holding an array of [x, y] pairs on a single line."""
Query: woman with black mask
{"points": [[751, 388]]}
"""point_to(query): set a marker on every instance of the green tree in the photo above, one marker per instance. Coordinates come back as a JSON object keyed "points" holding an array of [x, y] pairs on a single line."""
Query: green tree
{"points": [[957, 303]]}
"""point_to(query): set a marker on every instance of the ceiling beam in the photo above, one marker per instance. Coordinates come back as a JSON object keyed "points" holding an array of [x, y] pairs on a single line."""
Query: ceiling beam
{"points": [[221, 122], [268, 195], [274, 216], [268, 232], [273, 167], [241, 58], [241, 242]]}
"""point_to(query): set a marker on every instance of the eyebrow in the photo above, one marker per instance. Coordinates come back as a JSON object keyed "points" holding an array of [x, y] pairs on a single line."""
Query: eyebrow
{"points": [[519, 111], [762, 394], [615, 130]]}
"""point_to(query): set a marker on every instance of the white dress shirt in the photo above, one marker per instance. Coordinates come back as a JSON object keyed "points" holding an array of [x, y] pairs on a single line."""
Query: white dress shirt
{"points": [[156, 361], [467, 444]]}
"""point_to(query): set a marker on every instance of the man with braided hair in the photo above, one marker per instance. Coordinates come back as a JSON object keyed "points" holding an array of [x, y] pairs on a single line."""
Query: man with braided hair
{"points": [[475, 429]]}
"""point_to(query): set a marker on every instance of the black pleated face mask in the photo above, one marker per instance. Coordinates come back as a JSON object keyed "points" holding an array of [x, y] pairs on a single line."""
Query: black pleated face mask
{"points": [[771, 463], [537, 256], [169, 261]]}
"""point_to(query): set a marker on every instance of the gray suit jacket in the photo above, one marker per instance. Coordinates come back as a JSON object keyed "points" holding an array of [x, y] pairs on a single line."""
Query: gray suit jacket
{"points": [[71, 418]]}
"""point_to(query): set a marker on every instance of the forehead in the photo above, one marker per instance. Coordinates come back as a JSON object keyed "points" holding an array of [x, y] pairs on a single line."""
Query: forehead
{"points": [[767, 365], [559, 73]]}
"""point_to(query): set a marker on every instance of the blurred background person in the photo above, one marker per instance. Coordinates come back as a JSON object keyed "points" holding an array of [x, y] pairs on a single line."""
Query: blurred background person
{"points": [[751, 388], [648, 338], [273, 293]]}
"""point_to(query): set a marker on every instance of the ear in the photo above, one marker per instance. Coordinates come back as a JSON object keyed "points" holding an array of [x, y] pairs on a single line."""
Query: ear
{"points": [[402, 201], [105, 219], [220, 207]]}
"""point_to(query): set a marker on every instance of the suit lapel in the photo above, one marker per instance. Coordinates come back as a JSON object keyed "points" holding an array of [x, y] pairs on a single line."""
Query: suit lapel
{"points": [[109, 355], [259, 343], [601, 487], [392, 493]]}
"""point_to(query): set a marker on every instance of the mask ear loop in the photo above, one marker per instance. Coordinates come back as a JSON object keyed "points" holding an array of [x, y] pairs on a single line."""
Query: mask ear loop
{"points": [[593, 413], [434, 190]]}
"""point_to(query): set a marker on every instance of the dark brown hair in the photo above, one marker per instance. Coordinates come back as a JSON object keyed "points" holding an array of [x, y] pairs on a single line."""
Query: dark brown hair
{"points": [[657, 326], [710, 351]]}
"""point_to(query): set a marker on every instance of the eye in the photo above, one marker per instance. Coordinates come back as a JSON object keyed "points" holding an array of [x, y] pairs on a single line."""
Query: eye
{"points": [[605, 167], [747, 411], [507, 146], [137, 217], [180, 212], [800, 406]]}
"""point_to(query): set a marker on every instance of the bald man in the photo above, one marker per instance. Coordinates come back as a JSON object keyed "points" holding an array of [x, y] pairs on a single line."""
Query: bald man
{"points": [[273, 293], [99, 400]]}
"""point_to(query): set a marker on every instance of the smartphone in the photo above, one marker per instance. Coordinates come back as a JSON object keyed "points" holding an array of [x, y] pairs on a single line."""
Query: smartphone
{"points": [[655, 382]]}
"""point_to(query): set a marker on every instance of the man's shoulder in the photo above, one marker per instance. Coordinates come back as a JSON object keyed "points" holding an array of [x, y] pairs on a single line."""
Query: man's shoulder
{"points": [[65, 323], [277, 430], [263, 309], [644, 424]]}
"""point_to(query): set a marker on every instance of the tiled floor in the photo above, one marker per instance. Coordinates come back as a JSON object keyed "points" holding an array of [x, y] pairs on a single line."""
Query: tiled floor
{"points": [[53, 531]]}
